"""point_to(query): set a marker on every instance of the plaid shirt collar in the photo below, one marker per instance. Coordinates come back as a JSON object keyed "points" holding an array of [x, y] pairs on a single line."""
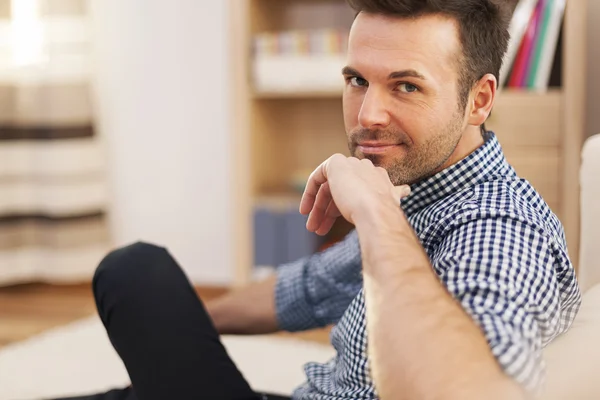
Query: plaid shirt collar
{"points": [[476, 168]]}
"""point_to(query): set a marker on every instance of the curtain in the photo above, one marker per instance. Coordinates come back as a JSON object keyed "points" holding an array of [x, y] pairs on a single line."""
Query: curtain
{"points": [[53, 224]]}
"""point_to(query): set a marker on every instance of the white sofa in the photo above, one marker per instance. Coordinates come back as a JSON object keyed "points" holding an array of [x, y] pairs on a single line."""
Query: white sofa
{"points": [[573, 360], [590, 214]]}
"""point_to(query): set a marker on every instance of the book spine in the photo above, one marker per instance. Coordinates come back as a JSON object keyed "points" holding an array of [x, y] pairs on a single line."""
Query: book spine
{"points": [[517, 29], [267, 234], [550, 44], [520, 69], [299, 242], [539, 45]]}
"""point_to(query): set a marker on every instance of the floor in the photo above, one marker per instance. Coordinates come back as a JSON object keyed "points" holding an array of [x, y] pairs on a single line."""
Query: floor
{"points": [[26, 310]]}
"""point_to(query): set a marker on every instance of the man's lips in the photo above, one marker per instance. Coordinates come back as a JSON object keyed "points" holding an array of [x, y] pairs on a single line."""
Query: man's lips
{"points": [[376, 147]]}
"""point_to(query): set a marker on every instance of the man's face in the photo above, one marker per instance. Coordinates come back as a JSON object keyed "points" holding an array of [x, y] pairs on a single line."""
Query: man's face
{"points": [[401, 99]]}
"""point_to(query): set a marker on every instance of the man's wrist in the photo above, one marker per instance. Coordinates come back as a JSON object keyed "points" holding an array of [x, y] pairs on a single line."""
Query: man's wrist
{"points": [[385, 237], [378, 215]]}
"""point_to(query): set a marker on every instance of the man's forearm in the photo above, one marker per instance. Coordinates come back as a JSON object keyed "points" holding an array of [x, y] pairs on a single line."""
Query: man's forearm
{"points": [[246, 311], [421, 342]]}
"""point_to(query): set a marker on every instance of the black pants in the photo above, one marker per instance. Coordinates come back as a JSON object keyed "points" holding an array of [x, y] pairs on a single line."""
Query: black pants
{"points": [[162, 332]]}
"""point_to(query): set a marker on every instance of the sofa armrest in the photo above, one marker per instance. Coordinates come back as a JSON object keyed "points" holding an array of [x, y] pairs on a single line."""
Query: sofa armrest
{"points": [[589, 265]]}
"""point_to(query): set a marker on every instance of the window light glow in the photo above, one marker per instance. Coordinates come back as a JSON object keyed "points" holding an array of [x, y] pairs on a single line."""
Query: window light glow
{"points": [[26, 32]]}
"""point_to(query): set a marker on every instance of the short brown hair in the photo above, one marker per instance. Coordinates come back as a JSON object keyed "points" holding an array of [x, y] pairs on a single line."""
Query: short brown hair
{"points": [[483, 31]]}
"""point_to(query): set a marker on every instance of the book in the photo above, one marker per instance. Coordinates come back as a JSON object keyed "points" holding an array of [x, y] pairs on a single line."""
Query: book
{"points": [[280, 234], [517, 28], [539, 44], [299, 241], [268, 242], [549, 49], [519, 72]]}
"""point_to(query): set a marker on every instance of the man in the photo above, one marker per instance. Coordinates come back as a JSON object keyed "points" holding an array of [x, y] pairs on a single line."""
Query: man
{"points": [[452, 295]]}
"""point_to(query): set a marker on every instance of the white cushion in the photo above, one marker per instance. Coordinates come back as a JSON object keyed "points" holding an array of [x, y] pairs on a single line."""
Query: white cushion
{"points": [[589, 265], [573, 360]]}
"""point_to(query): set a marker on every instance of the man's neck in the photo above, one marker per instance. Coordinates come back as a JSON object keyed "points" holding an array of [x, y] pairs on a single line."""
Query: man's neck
{"points": [[471, 140]]}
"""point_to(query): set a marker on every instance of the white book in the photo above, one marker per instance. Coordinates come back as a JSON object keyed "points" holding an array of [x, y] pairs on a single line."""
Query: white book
{"points": [[517, 28], [549, 46]]}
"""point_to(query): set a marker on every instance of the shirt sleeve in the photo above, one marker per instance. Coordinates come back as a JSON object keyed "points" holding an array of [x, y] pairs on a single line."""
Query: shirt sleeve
{"points": [[315, 291], [502, 271]]}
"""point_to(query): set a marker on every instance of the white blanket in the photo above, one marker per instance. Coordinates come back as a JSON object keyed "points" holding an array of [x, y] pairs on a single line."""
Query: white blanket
{"points": [[78, 359]]}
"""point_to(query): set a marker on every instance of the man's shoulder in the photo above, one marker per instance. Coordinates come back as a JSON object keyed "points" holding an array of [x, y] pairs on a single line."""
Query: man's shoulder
{"points": [[501, 198], [514, 198]]}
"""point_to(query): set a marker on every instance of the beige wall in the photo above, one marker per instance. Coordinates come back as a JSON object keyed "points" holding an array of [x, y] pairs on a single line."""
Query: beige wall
{"points": [[593, 95]]}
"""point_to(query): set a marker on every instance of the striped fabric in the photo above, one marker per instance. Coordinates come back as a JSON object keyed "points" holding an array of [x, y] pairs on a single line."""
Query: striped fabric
{"points": [[52, 184]]}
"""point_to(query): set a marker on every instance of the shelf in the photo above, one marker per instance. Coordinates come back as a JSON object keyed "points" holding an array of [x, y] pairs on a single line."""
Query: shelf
{"points": [[506, 92], [298, 73], [276, 15], [308, 94], [289, 117], [278, 200]]}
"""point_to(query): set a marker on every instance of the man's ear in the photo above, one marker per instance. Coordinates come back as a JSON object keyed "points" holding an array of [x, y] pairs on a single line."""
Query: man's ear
{"points": [[482, 100]]}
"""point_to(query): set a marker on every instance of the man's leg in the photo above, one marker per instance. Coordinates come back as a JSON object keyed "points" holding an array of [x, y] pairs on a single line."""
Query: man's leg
{"points": [[161, 330]]}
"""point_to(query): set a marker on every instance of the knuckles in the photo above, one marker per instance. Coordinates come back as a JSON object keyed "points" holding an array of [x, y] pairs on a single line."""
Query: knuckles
{"points": [[382, 170], [338, 157]]}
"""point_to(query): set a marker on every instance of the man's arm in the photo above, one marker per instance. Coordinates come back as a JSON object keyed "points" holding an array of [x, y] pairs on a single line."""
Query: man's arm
{"points": [[246, 311], [309, 293], [421, 342]]}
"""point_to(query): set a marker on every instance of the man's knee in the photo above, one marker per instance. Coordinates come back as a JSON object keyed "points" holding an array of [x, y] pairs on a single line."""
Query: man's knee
{"points": [[124, 264]]}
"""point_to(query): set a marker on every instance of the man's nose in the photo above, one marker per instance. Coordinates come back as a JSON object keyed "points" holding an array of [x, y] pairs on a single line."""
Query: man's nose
{"points": [[374, 112]]}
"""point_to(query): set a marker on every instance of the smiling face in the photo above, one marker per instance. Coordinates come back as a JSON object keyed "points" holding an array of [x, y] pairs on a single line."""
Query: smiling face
{"points": [[402, 107]]}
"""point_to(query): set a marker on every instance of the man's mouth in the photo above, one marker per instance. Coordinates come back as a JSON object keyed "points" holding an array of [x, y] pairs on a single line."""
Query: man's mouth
{"points": [[374, 147]]}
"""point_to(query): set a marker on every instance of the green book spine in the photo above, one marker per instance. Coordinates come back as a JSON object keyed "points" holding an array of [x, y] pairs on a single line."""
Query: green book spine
{"points": [[539, 46]]}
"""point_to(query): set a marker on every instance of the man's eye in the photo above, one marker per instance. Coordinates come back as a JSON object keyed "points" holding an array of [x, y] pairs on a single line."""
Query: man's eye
{"points": [[407, 88], [356, 81]]}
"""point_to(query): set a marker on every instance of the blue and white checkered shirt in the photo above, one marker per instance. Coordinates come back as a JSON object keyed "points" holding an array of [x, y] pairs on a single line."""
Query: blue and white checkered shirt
{"points": [[492, 241]]}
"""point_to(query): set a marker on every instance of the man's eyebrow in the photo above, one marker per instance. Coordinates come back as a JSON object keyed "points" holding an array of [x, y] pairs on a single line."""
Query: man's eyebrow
{"points": [[350, 71], [407, 73]]}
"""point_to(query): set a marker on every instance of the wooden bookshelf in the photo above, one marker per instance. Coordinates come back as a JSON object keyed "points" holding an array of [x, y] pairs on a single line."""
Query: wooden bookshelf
{"points": [[275, 133], [308, 94]]}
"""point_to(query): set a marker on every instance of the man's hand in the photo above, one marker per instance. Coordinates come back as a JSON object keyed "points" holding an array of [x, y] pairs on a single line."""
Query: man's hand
{"points": [[344, 186]]}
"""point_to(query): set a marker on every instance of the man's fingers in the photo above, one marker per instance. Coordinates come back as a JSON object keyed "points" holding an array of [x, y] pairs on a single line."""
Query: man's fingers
{"points": [[320, 205], [316, 179], [331, 215]]}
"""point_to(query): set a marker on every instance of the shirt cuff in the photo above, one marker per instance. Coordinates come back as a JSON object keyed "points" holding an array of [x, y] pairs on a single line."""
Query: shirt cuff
{"points": [[293, 309]]}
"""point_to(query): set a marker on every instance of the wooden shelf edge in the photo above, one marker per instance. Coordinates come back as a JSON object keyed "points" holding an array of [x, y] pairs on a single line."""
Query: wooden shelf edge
{"points": [[309, 94], [529, 94]]}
